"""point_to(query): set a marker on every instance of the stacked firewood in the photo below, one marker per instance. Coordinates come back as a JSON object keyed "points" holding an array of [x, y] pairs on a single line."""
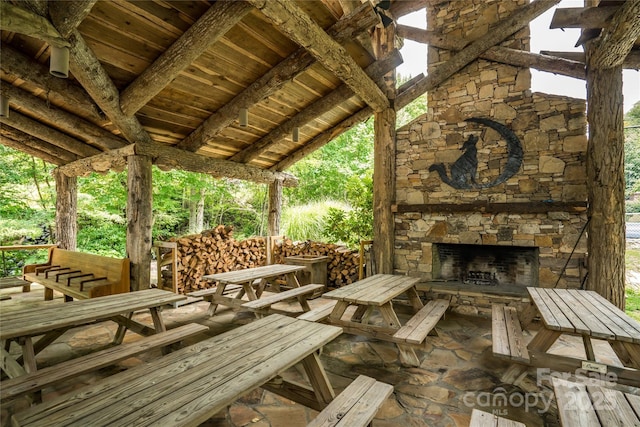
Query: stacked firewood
{"points": [[342, 264], [217, 251]]}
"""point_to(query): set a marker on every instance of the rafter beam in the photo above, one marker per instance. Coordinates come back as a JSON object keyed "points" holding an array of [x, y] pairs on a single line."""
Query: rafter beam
{"points": [[18, 20], [632, 61], [405, 7], [430, 37], [348, 28], [376, 71], [67, 15], [289, 18], [48, 134], [616, 40], [207, 30], [496, 34], [16, 65], [582, 17], [25, 143], [70, 123]]}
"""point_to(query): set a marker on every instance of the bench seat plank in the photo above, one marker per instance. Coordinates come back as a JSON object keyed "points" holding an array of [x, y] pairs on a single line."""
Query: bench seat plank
{"points": [[91, 362], [318, 314], [211, 291], [266, 302], [418, 327], [485, 419], [356, 405], [506, 334]]}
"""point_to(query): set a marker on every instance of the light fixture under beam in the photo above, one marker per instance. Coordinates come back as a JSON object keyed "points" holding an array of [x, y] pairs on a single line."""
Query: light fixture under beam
{"points": [[59, 62], [243, 119], [296, 134], [4, 106]]}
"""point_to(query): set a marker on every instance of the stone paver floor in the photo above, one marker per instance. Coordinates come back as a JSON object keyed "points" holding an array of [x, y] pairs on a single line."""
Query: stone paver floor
{"points": [[457, 373]]}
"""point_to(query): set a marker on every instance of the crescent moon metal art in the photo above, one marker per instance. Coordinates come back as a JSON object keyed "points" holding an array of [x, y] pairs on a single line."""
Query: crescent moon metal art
{"points": [[463, 170]]}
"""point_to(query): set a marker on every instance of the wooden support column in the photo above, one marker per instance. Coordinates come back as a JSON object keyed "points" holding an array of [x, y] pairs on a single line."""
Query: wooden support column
{"points": [[275, 207], [66, 211], [139, 220], [384, 162]]}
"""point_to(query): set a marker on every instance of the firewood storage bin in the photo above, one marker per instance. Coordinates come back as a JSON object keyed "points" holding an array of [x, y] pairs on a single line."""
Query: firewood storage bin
{"points": [[315, 271]]}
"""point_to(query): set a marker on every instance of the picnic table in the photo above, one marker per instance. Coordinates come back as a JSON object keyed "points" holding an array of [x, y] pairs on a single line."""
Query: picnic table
{"points": [[189, 386], [376, 293], [22, 323], [242, 282], [588, 315]]}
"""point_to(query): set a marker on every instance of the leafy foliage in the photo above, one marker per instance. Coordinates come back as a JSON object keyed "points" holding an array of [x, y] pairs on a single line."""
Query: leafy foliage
{"points": [[632, 152]]}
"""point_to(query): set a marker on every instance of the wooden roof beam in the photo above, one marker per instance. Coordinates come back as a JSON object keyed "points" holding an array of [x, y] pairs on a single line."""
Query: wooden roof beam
{"points": [[503, 29], [348, 28], [632, 61], [92, 134], [289, 18], [33, 146], [582, 17], [209, 28], [617, 39], [376, 71], [405, 7], [67, 15], [18, 20]]}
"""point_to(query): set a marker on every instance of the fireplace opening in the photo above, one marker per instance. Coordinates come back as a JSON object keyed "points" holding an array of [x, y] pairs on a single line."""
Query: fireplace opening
{"points": [[486, 265]]}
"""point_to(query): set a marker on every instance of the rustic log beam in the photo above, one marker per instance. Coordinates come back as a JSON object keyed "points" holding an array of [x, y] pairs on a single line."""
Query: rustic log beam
{"points": [[289, 18], [139, 220], [582, 17], [345, 29], [487, 207], [66, 211], [208, 29], [18, 20], [376, 71], [496, 34], [616, 40], [631, 62], [405, 7], [70, 123], [100, 163], [275, 208], [16, 65], [67, 15], [329, 135], [48, 134], [430, 37], [20, 141]]}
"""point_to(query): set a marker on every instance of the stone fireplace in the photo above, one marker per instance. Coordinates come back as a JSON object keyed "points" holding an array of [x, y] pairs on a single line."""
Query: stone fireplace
{"points": [[491, 188]]}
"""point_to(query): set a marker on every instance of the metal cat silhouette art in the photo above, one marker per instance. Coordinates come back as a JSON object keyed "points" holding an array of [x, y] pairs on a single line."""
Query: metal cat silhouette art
{"points": [[463, 171]]}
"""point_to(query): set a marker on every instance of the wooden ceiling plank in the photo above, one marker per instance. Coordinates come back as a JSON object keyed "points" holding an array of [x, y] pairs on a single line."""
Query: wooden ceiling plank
{"points": [[220, 17], [298, 26], [67, 15], [376, 70], [19, 65], [21, 141], [631, 62], [496, 34], [48, 134], [347, 28], [618, 38], [18, 20], [582, 17], [70, 123]]}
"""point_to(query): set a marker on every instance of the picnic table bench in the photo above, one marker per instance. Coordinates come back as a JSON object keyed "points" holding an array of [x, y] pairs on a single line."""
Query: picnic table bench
{"points": [[50, 320], [262, 306], [485, 419], [506, 334], [190, 385], [590, 405]]}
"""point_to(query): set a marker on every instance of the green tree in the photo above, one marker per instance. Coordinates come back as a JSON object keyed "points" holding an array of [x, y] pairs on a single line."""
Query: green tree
{"points": [[632, 150]]}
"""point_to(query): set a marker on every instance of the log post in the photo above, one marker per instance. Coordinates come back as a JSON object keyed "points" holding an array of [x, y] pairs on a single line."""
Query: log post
{"points": [[139, 220], [384, 161], [275, 207], [66, 211]]}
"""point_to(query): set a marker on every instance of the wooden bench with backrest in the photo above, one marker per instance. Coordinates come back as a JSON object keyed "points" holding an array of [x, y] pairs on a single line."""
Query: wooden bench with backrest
{"points": [[506, 334], [417, 328], [80, 275], [262, 306], [356, 405], [38, 380], [588, 404]]}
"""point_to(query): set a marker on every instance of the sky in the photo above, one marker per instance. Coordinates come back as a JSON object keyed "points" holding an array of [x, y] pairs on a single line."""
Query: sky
{"points": [[542, 38]]}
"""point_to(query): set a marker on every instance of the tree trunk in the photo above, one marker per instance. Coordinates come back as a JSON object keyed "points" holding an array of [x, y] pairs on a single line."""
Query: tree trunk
{"points": [[605, 168], [139, 220], [66, 211], [275, 207], [200, 211]]}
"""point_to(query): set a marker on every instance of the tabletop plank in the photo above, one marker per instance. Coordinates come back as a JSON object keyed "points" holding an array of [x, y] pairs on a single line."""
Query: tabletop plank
{"points": [[249, 274], [585, 311], [374, 290], [625, 327], [192, 384], [41, 318], [551, 314]]}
